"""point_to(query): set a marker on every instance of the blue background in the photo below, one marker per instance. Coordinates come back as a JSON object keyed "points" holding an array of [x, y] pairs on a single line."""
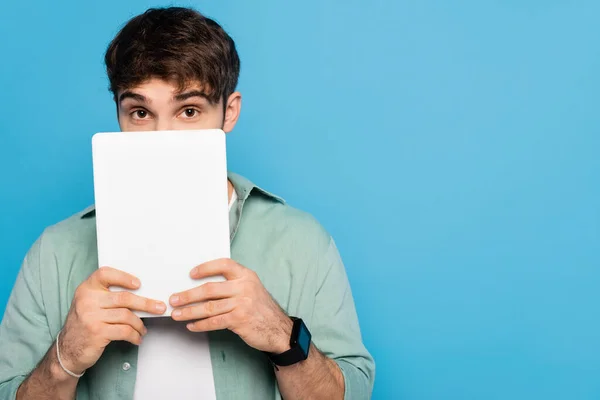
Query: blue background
{"points": [[451, 148]]}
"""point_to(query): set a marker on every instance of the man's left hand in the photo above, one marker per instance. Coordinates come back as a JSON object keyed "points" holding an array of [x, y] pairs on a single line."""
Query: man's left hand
{"points": [[240, 304]]}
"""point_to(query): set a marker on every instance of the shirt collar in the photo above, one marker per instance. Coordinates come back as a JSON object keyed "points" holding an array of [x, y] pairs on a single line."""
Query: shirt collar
{"points": [[243, 187]]}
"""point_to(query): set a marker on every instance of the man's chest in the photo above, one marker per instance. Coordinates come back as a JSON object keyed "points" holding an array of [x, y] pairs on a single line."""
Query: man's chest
{"points": [[239, 371]]}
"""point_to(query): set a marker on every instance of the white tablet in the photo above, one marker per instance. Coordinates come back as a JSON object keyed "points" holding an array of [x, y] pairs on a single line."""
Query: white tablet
{"points": [[161, 206]]}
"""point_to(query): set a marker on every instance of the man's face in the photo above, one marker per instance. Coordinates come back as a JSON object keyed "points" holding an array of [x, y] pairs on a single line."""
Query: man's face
{"points": [[156, 105]]}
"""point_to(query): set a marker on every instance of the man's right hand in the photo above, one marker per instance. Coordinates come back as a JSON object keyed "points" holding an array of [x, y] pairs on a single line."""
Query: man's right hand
{"points": [[98, 316]]}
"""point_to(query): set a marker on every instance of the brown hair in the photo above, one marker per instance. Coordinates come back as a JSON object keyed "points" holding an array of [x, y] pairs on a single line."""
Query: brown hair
{"points": [[174, 44]]}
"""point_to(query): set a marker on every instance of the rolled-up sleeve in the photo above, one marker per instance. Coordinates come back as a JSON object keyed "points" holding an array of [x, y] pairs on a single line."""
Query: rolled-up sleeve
{"points": [[24, 333], [335, 327]]}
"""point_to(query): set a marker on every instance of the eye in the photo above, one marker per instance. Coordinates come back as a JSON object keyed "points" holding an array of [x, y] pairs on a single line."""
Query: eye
{"points": [[190, 113], [139, 114]]}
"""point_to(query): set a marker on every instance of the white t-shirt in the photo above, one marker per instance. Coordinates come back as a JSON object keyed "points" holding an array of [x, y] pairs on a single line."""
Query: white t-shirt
{"points": [[174, 363]]}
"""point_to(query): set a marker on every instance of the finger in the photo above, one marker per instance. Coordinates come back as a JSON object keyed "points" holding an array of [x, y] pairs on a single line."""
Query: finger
{"points": [[125, 299], [215, 323], [205, 310], [222, 266], [123, 316], [107, 276], [206, 291], [122, 332]]}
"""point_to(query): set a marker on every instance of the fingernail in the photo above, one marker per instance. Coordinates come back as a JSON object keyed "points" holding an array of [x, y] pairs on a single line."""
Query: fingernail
{"points": [[176, 313], [160, 307], [174, 299], [190, 326], [145, 331], [194, 271], [135, 282]]}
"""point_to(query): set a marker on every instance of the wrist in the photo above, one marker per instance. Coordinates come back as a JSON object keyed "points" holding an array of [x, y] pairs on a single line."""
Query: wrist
{"points": [[298, 346], [64, 361], [56, 371], [282, 342]]}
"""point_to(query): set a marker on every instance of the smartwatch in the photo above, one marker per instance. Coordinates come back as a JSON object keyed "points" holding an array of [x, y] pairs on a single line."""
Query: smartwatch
{"points": [[299, 346]]}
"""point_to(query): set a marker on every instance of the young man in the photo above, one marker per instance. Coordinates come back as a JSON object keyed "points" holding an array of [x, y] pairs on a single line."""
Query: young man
{"points": [[65, 335]]}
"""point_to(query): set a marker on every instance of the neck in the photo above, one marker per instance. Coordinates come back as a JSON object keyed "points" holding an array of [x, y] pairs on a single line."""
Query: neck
{"points": [[230, 189]]}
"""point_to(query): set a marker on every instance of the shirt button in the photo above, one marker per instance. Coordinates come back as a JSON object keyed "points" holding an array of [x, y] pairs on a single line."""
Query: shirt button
{"points": [[126, 366]]}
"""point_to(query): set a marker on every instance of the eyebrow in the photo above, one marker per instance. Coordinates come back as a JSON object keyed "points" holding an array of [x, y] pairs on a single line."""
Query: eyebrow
{"points": [[179, 97], [191, 93], [131, 95]]}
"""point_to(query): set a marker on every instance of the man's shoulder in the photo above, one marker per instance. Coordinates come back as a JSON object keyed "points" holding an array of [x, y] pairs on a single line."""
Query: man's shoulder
{"points": [[271, 211], [76, 230], [283, 220]]}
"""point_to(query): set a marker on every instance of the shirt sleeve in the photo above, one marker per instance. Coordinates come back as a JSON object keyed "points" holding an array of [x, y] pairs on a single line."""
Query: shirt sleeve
{"points": [[335, 327], [24, 332]]}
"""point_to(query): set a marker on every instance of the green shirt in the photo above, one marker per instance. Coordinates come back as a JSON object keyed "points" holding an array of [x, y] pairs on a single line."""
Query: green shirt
{"points": [[294, 257]]}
